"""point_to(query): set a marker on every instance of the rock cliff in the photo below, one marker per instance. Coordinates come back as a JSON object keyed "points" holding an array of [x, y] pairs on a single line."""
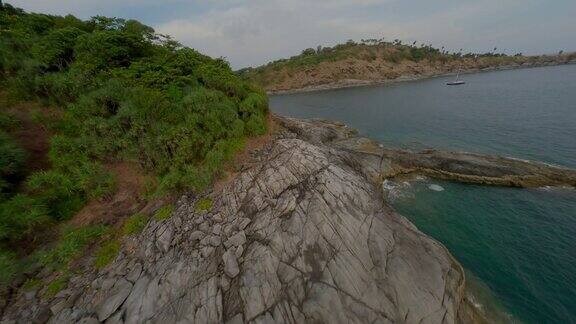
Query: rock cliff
{"points": [[303, 234]]}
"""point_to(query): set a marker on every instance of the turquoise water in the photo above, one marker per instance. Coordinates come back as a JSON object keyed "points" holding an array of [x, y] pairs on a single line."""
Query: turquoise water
{"points": [[521, 243]]}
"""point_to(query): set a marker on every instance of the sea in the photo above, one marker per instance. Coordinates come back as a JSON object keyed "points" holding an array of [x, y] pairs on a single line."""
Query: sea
{"points": [[518, 246]]}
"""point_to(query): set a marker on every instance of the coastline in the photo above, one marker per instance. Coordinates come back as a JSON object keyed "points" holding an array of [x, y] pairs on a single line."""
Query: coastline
{"points": [[353, 83]]}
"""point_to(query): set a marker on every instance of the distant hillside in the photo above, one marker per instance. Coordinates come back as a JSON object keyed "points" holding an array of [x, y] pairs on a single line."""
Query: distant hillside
{"points": [[377, 61]]}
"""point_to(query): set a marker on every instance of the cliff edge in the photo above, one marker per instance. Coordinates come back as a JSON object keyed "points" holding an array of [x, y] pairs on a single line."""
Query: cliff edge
{"points": [[302, 234]]}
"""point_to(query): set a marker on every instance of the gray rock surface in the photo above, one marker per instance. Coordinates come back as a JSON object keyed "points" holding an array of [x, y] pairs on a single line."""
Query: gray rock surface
{"points": [[302, 236]]}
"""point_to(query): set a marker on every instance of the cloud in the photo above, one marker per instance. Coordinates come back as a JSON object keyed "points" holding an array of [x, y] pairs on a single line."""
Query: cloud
{"points": [[253, 32]]}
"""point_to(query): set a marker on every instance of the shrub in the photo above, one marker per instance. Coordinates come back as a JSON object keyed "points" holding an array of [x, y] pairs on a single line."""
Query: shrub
{"points": [[12, 158], [58, 192], [56, 49], [21, 216], [8, 122], [123, 93]]}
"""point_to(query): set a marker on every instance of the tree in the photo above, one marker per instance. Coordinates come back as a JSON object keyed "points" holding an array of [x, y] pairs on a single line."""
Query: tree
{"points": [[56, 50], [308, 51]]}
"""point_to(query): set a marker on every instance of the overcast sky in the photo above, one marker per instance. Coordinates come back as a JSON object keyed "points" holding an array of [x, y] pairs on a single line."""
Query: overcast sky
{"points": [[253, 32]]}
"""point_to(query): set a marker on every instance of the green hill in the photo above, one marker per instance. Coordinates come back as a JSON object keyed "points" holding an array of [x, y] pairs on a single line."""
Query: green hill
{"points": [[376, 60], [109, 90]]}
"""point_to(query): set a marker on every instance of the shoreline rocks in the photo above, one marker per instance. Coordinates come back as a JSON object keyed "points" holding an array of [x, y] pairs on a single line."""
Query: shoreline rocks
{"points": [[303, 235]]}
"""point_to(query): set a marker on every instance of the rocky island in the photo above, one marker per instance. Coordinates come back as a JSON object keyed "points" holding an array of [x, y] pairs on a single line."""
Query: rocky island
{"points": [[303, 233]]}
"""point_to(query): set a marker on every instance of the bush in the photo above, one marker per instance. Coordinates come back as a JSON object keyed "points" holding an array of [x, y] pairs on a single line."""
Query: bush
{"points": [[58, 192], [12, 158], [8, 122], [22, 216], [122, 93], [56, 49]]}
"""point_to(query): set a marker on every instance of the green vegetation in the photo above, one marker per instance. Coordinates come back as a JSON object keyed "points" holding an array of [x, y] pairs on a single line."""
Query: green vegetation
{"points": [[107, 253], [164, 212], [9, 266], [70, 246], [204, 204], [12, 157], [122, 93], [31, 283], [56, 285], [370, 50], [134, 224]]}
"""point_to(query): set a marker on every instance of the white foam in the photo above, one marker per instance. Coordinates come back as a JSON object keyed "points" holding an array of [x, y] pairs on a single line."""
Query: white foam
{"points": [[435, 187], [395, 190]]}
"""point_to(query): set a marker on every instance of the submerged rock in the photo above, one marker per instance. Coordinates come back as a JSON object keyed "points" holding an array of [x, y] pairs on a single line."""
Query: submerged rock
{"points": [[304, 235]]}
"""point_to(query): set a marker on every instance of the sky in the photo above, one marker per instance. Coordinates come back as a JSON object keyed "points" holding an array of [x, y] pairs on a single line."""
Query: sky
{"points": [[254, 32]]}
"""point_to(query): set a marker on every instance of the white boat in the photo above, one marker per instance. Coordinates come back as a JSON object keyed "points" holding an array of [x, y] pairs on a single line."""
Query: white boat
{"points": [[456, 82]]}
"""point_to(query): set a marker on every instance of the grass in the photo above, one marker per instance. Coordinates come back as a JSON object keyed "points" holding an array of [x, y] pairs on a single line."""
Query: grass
{"points": [[9, 266], [56, 285], [70, 246], [107, 253], [164, 212], [134, 224], [204, 204], [31, 283]]}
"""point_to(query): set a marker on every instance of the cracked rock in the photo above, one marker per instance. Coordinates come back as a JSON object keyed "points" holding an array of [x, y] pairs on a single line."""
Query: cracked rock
{"points": [[114, 299], [308, 235], [236, 239], [230, 264]]}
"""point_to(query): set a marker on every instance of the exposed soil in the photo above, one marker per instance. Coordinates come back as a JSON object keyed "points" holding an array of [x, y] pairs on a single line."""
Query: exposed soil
{"points": [[127, 200], [31, 135]]}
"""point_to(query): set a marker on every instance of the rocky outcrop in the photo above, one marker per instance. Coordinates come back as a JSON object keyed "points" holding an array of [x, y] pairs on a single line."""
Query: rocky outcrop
{"points": [[456, 166], [303, 235]]}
